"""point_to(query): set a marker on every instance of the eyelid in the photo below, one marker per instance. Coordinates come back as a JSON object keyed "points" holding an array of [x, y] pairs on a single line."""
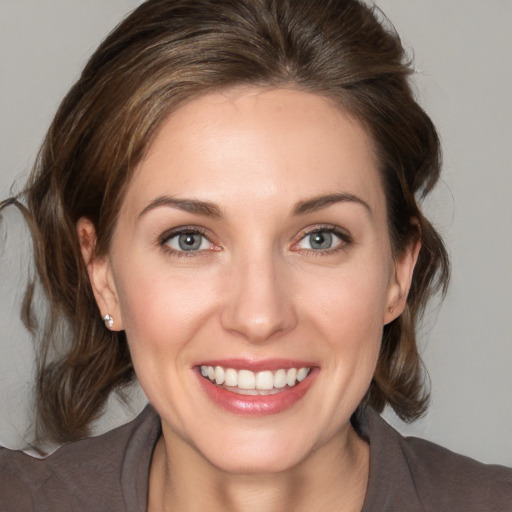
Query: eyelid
{"points": [[342, 234], [164, 238], [180, 230]]}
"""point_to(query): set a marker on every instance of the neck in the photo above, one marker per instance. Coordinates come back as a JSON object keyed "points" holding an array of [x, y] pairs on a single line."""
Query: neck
{"points": [[333, 478]]}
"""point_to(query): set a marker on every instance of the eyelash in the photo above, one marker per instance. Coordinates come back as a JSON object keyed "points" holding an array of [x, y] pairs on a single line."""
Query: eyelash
{"points": [[189, 230], [163, 240], [345, 239]]}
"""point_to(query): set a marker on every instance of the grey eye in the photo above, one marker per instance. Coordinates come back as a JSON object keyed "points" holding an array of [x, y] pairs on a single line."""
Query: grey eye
{"points": [[320, 241], [188, 242]]}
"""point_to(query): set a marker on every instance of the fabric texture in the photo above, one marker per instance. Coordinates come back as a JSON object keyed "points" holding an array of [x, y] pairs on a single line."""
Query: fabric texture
{"points": [[109, 473]]}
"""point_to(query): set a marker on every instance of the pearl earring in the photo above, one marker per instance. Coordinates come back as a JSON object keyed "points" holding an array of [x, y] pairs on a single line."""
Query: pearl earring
{"points": [[109, 321]]}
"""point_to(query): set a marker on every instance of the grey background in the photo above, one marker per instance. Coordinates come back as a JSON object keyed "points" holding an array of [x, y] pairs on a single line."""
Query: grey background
{"points": [[463, 57]]}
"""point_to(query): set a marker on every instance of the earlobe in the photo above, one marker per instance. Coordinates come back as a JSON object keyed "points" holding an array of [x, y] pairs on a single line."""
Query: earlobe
{"points": [[100, 275], [401, 281]]}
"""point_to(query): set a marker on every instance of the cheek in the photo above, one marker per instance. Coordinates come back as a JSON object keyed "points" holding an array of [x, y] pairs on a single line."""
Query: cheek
{"points": [[160, 309], [347, 311], [162, 314], [350, 300]]}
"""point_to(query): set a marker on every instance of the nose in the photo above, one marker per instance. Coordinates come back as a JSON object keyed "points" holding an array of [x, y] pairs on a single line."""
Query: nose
{"points": [[260, 305]]}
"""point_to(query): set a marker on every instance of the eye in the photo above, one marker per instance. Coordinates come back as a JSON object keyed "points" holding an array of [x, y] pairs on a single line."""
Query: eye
{"points": [[187, 241], [322, 240]]}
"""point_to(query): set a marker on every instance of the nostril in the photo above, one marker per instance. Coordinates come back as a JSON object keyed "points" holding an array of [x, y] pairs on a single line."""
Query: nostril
{"points": [[258, 306], [258, 328]]}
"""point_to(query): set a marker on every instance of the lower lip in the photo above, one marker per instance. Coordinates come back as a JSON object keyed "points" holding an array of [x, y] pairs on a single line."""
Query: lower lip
{"points": [[257, 405]]}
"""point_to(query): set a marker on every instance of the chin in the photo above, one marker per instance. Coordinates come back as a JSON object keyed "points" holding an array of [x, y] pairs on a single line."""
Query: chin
{"points": [[248, 463], [261, 454]]}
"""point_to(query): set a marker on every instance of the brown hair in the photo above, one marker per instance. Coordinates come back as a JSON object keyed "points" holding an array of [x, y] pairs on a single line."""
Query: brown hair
{"points": [[168, 52]]}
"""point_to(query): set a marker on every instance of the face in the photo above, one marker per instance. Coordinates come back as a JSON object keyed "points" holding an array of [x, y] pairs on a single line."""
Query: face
{"points": [[252, 271]]}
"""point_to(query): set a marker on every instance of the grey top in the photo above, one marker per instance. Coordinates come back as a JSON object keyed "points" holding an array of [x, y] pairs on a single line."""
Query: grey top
{"points": [[109, 473]]}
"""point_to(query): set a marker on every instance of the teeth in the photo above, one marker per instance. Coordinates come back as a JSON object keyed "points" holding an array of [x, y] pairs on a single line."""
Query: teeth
{"points": [[231, 377], [248, 381], [264, 380], [219, 375], [301, 374], [280, 379], [291, 376]]}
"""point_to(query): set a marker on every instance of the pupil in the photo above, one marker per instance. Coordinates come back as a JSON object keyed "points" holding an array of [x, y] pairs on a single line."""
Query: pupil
{"points": [[321, 240], [189, 242]]}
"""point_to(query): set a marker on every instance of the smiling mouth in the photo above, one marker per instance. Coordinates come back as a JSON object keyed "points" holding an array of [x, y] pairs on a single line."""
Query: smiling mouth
{"points": [[247, 382]]}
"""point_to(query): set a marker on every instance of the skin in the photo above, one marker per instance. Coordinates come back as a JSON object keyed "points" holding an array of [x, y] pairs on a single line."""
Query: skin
{"points": [[256, 289]]}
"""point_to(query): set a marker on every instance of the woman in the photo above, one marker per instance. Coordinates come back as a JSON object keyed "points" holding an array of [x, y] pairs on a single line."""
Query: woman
{"points": [[226, 207]]}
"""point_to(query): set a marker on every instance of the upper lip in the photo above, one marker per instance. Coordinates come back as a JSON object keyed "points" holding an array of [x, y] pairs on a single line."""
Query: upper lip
{"points": [[257, 365]]}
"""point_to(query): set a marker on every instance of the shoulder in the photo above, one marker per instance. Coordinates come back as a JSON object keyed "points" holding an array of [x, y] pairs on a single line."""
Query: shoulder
{"points": [[450, 479], [15, 493], [84, 475], [422, 473]]}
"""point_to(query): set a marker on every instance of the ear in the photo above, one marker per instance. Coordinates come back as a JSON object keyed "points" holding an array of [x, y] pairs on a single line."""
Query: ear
{"points": [[401, 279], [100, 274]]}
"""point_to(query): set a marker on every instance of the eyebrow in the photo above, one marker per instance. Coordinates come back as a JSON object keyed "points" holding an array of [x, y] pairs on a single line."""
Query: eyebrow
{"points": [[210, 209], [188, 205], [317, 203]]}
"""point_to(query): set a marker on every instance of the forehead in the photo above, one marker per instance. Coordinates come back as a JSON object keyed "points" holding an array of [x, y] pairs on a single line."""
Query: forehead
{"points": [[259, 145]]}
